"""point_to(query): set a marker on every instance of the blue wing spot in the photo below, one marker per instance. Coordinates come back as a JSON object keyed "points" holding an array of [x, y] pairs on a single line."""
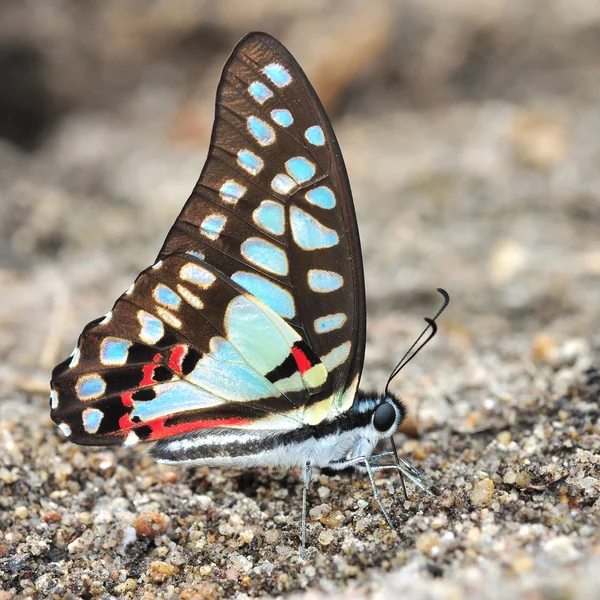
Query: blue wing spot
{"points": [[197, 275], [175, 397], [300, 169], [337, 356], [53, 399], [195, 254], [259, 91], [76, 353], [310, 234], [322, 197], [282, 117], [65, 429], [90, 387], [324, 281], [273, 295], [270, 217], [114, 351], [250, 162], [231, 191], [107, 318], [329, 322], [212, 225], [262, 132], [265, 255], [282, 184], [166, 296], [92, 417], [152, 328], [315, 135], [278, 74]]}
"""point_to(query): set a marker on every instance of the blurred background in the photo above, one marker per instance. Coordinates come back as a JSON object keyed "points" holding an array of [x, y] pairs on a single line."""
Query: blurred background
{"points": [[470, 130], [471, 134]]}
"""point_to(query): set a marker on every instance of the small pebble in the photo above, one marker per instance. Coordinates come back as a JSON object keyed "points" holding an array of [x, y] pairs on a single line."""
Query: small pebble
{"points": [[323, 492], [21, 512], [246, 536], [482, 492], [326, 537], [149, 525], [504, 438], [271, 536], [427, 542], [159, 571], [561, 549]]}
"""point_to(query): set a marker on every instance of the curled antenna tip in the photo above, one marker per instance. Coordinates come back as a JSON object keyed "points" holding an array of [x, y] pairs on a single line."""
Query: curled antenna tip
{"points": [[415, 348]]}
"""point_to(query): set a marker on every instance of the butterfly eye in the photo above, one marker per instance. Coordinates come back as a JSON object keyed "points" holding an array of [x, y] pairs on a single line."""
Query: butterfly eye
{"points": [[384, 417]]}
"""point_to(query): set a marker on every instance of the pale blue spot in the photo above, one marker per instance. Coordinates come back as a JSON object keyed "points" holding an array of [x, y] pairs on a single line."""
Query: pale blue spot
{"points": [[329, 322], [259, 336], [231, 191], [265, 255], [315, 135], [278, 74], [76, 353], [92, 417], [282, 184], [166, 296], [282, 117], [324, 281], [174, 397], [309, 233], [197, 275], [221, 349], [90, 386], [259, 91], [152, 328], [212, 226], [263, 133], [250, 162], [53, 399], [270, 217], [321, 196], [337, 356], [113, 351], [300, 169], [227, 374], [195, 254], [273, 295], [107, 318], [65, 429]]}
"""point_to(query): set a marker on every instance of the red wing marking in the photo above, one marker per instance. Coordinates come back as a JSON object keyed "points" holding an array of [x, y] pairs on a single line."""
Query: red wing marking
{"points": [[302, 360], [177, 355], [160, 430]]}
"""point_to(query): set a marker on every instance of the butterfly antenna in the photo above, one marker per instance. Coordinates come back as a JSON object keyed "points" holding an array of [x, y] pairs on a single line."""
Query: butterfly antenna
{"points": [[416, 347]]}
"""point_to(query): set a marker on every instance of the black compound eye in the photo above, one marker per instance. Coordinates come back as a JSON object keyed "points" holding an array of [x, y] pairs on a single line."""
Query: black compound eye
{"points": [[384, 417]]}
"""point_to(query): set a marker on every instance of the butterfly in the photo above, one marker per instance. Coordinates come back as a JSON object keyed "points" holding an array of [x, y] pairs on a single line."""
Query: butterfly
{"points": [[243, 343]]}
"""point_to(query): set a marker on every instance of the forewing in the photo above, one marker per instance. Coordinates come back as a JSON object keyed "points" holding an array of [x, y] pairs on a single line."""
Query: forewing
{"points": [[276, 180]]}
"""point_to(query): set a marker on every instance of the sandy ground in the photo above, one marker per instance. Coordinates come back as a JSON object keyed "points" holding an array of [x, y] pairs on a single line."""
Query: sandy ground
{"points": [[471, 141]]}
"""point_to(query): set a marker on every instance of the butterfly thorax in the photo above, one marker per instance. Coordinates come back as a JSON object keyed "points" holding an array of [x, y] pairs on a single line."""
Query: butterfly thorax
{"points": [[351, 434]]}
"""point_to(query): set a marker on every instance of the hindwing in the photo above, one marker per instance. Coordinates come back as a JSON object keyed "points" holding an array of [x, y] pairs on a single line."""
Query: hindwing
{"points": [[254, 313]]}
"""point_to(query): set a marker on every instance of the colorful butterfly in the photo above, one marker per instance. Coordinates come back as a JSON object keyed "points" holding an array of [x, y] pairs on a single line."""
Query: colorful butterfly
{"points": [[243, 344]]}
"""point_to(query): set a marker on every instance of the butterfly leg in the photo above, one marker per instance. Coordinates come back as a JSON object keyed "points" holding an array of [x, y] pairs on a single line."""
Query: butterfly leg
{"points": [[307, 480], [375, 457], [405, 469], [370, 470]]}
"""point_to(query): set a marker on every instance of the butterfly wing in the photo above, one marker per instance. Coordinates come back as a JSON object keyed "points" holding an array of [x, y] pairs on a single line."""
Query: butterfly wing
{"points": [[254, 314]]}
